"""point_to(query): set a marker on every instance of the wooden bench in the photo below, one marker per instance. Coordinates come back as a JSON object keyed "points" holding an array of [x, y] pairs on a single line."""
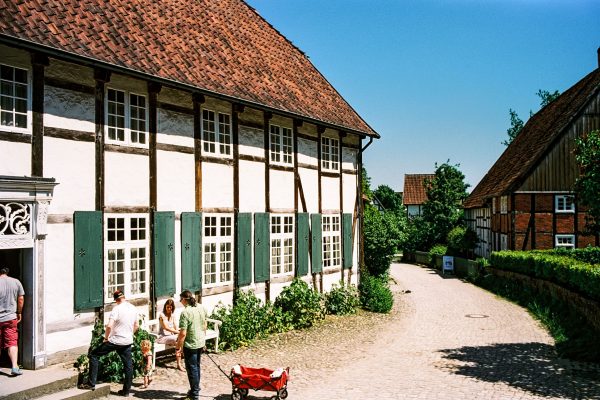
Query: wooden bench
{"points": [[152, 327]]}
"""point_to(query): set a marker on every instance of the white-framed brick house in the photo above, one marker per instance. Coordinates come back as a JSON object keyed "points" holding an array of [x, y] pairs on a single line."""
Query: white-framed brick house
{"points": [[152, 164]]}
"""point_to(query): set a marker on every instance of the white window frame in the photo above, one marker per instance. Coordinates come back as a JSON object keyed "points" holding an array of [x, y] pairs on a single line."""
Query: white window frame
{"points": [[217, 249], [221, 132], [560, 203], [127, 117], [28, 114], [503, 204], [330, 154], [332, 240], [127, 244], [281, 145], [561, 241], [282, 244]]}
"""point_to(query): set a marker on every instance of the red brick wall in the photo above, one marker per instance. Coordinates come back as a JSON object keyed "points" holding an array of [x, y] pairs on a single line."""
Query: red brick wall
{"points": [[523, 202], [544, 203], [543, 222], [565, 223]]}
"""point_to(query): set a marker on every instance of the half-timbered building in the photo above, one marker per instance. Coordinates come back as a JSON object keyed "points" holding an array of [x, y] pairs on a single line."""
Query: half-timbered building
{"points": [[415, 193], [155, 146], [526, 200]]}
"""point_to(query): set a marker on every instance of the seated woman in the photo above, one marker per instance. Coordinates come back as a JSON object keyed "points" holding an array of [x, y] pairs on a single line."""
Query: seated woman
{"points": [[168, 330]]}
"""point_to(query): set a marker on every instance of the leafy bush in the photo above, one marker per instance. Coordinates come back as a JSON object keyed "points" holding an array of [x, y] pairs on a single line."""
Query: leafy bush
{"points": [[589, 254], [247, 320], [419, 235], [375, 294], [437, 250], [461, 241], [382, 239], [303, 305], [110, 366], [576, 275], [342, 300]]}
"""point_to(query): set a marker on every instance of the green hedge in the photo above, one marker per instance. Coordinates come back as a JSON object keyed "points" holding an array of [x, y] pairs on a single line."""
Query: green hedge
{"points": [[568, 272]]}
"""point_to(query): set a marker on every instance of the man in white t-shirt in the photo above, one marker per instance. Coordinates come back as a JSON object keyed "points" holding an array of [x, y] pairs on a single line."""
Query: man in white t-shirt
{"points": [[122, 324]]}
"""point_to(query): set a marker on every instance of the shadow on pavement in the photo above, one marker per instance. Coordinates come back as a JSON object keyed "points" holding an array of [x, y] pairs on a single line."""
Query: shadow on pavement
{"points": [[528, 366], [157, 394]]}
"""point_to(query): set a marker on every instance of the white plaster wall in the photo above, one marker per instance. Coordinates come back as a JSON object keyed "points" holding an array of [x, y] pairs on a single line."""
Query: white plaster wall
{"points": [[15, 159], [252, 186], [77, 337], [175, 128], [330, 193], [308, 152], [127, 179], [217, 185], [123, 82], [277, 288], [68, 109], [58, 273], [331, 279], [210, 302], [310, 185], [70, 72], [251, 141], [350, 183], [176, 97], [72, 164], [349, 158], [175, 181], [281, 189]]}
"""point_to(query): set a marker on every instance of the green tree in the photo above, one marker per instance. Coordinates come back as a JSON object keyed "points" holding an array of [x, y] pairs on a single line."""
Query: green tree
{"points": [[587, 186], [516, 123], [389, 199], [445, 193], [366, 183], [383, 237]]}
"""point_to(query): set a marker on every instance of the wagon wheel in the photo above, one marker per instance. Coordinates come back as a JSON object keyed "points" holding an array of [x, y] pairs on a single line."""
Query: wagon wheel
{"points": [[283, 394], [235, 395], [244, 392]]}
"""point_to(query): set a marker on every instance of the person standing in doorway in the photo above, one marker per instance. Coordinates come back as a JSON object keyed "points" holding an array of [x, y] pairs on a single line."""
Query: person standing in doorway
{"points": [[12, 298], [191, 340], [122, 324]]}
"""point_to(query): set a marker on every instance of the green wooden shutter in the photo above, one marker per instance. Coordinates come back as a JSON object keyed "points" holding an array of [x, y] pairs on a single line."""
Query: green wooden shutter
{"points": [[191, 251], [317, 243], [87, 261], [244, 249], [303, 244], [347, 240], [164, 253], [261, 247]]}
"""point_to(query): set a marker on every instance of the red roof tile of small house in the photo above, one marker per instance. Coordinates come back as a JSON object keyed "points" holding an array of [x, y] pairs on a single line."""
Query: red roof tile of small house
{"points": [[414, 188], [216, 46], [536, 138]]}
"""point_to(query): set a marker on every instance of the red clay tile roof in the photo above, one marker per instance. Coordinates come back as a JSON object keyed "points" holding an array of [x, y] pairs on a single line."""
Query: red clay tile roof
{"points": [[218, 46], [414, 189], [538, 136]]}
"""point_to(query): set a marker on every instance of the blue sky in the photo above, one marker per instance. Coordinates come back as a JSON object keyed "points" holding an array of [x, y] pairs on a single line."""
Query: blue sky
{"points": [[436, 78]]}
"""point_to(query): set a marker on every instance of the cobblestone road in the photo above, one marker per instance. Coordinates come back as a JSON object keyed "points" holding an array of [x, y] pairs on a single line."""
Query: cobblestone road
{"points": [[445, 339]]}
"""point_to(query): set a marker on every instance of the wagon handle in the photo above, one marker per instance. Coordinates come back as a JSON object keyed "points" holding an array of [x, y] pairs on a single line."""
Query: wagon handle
{"points": [[218, 366]]}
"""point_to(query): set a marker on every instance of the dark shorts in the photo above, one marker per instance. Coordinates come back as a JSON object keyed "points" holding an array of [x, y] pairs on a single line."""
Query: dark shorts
{"points": [[9, 334]]}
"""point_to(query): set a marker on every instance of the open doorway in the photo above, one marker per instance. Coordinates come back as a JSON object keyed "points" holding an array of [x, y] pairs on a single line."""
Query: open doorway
{"points": [[13, 259]]}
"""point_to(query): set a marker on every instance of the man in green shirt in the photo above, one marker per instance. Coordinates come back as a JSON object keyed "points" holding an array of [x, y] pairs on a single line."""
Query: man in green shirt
{"points": [[191, 339]]}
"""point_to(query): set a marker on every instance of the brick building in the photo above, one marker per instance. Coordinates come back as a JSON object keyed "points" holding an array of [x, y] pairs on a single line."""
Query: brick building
{"points": [[526, 200], [414, 194]]}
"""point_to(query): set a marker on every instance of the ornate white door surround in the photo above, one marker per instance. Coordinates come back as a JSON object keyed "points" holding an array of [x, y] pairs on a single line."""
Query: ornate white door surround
{"points": [[24, 205]]}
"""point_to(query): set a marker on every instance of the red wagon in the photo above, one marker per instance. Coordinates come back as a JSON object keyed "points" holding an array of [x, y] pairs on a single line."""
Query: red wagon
{"points": [[244, 378]]}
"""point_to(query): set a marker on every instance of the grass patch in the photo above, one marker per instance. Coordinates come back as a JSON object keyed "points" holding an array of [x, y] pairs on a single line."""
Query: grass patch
{"points": [[575, 338]]}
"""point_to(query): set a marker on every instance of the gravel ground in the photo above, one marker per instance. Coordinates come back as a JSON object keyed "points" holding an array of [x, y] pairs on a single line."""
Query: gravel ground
{"points": [[444, 339]]}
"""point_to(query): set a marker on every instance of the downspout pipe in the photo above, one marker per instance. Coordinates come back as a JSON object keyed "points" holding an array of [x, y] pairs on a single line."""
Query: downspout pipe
{"points": [[361, 245]]}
